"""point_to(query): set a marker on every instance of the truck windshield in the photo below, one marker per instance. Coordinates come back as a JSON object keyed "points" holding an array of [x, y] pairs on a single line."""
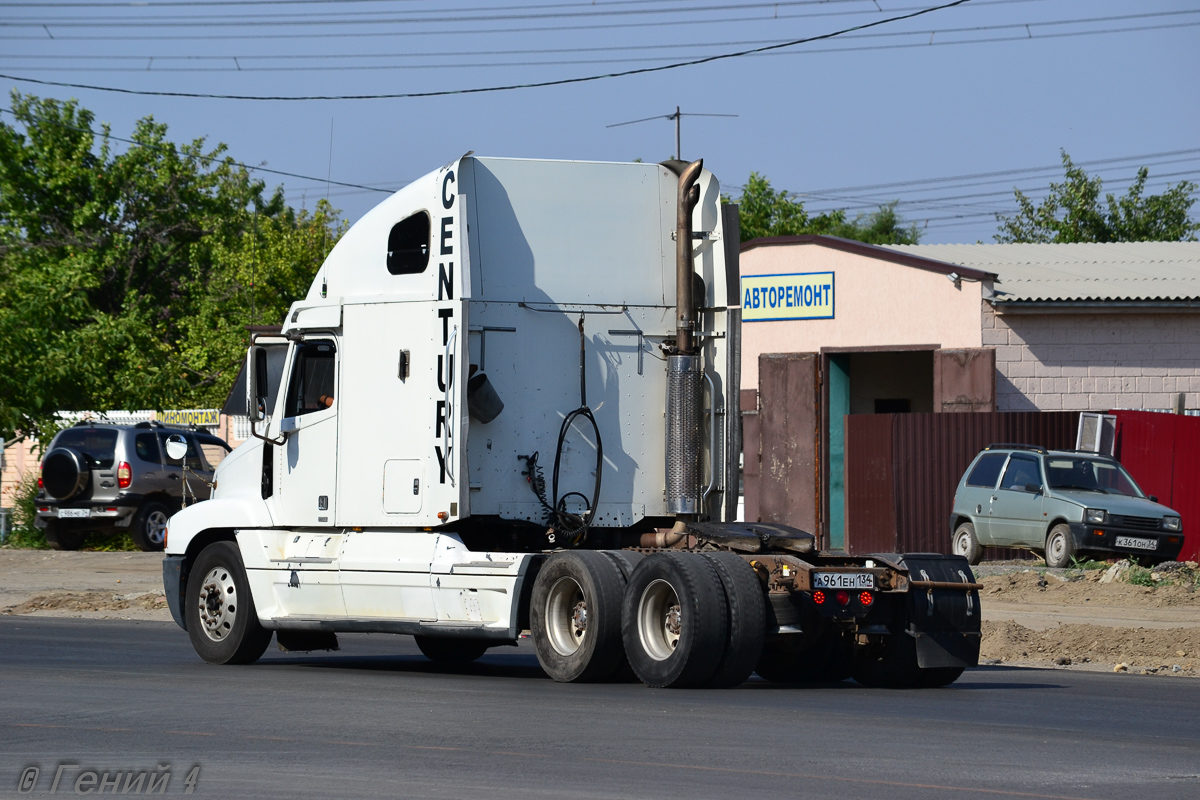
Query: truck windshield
{"points": [[1090, 475]]}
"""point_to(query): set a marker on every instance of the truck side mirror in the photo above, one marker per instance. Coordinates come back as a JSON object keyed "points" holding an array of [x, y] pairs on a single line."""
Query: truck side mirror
{"points": [[256, 383], [176, 447]]}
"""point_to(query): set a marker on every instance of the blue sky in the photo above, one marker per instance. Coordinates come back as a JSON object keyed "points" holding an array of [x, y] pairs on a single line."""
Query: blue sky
{"points": [[886, 114]]}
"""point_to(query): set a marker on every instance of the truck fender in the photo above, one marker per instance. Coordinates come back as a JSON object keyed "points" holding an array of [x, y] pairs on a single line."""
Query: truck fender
{"points": [[227, 513]]}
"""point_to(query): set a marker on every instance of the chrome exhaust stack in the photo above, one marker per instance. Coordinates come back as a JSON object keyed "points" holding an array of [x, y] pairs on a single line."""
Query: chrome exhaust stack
{"points": [[685, 367]]}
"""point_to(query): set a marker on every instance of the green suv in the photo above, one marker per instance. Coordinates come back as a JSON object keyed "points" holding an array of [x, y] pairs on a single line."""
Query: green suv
{"points": [[1060, 504]]}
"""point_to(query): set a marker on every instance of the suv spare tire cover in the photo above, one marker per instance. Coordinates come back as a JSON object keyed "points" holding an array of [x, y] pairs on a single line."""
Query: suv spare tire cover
{"points": [[64, 473]]}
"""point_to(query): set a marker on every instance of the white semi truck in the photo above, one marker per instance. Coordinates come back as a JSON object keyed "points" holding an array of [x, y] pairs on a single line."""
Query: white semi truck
{"points": [[508, 407]]}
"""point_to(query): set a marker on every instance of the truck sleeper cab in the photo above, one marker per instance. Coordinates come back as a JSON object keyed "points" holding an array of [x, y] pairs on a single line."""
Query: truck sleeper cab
{"points": [[504, 409]]}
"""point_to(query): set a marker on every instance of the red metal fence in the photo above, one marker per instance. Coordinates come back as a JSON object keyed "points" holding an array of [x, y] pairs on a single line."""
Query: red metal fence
{"points": [[902, 470], [1162, 453]]}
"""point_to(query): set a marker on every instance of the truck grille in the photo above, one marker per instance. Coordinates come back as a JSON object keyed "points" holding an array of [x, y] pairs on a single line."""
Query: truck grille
{"points": [[1140, 523]]}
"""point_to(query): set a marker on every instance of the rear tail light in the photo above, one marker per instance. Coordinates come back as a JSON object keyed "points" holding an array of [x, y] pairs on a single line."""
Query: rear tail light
{"points": [[842, 597], [40, 485], [866, 598], [124, 475], [819, 597]]}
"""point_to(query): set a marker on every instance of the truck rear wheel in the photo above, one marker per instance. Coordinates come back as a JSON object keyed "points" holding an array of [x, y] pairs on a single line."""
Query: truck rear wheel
{"points": [[451, 651], [890, 664], [674, 620], [747, 612], [575, 616], [221, 620]]}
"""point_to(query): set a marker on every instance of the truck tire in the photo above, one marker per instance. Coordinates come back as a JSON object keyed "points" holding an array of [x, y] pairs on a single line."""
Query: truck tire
{"points": [[149, 527], [575, 616], [891, 664], [965, 544], [626, 561], [674, 621], [60, 538], [451, 651], [824, 658], [937, 677], [221, 620], [746, 607], [1060, 547]]}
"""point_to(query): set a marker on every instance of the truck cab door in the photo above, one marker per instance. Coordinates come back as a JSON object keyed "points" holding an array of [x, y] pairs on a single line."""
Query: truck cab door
{"points": [[306, 463]]}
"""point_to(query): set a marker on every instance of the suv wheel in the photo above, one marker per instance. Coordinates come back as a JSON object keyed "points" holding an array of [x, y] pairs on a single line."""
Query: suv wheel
{"points": [[966, 545], [149, 527], [1060, 547], [60, 538]]}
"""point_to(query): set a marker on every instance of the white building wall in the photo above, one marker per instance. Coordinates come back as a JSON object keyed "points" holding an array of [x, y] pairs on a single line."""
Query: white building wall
{"points": [[1093, 362]]}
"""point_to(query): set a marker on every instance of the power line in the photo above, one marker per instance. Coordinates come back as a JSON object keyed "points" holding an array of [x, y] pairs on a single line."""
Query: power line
{"points": [[207, 159], [324, 35], [442, 54], [324, 19]]}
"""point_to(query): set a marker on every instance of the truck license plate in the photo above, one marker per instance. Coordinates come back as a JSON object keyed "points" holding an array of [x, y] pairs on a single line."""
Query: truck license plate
{"points": [[74, 513], [843, 580], [1138, 542]]}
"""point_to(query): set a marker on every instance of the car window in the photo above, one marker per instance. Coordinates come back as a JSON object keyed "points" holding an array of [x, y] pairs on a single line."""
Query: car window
{"points": [[313, 377], [99, 445], [987, 470], [146, 447], [1090, 475], [213, 453], [191, 458], [1022, 470]]}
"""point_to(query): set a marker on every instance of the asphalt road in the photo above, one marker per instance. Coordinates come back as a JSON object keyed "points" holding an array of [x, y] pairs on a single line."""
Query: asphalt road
{"points": [[378, 720]]}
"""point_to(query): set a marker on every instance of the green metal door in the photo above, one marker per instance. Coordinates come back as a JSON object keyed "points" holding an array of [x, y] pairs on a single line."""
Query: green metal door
{"points": [[839, 407]]}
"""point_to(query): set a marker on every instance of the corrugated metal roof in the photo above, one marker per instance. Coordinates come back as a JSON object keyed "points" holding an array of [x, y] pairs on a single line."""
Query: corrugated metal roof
{"points": [[1119, 271]]}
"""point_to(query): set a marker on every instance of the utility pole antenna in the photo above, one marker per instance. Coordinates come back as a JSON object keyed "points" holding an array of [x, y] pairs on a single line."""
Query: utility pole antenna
{"points": [[676, 117]]}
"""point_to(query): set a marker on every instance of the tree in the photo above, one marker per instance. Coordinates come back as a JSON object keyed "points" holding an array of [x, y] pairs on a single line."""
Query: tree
{"points": [[763, 211], [125, 278], [1072, 212]]}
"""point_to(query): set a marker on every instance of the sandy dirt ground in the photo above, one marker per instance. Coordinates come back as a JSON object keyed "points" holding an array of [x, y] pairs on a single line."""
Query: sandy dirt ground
{"points": [[1031, 616]]}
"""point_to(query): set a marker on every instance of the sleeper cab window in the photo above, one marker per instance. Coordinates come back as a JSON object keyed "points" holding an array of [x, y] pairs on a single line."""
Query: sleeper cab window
{"points": [[314, 375], [408, 245]]}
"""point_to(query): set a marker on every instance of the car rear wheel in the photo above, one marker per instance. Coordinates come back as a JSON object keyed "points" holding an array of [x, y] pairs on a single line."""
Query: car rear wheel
{"points": [[966, 544], [1060, 547], [149, 528], [59, 538]]}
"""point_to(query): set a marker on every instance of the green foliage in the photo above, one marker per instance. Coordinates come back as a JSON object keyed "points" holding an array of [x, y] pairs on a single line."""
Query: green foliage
{"points": [[1139, 576], [24, 511], [1072, 212], [763, 211], [1087, 564], [127, 278]]}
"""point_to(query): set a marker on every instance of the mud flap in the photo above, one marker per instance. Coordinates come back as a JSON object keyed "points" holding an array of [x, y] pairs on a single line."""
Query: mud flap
{"points": [[945, 622]]}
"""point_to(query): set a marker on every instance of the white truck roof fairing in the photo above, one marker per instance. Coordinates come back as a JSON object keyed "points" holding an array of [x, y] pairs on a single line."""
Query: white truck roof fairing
{"points": [[538, 231]]}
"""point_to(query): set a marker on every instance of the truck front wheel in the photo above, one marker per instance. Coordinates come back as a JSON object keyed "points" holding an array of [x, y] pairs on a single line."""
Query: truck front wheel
{"points": [[221, 620], [575, 616]]}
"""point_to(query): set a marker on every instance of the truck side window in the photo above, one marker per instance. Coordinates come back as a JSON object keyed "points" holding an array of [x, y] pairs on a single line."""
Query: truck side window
{"points": [[408, 245], [986, 471], [313, 378]]}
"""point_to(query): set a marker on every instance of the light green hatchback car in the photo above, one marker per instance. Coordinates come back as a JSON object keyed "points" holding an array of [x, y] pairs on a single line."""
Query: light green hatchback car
{"points": [[1060, 504]]}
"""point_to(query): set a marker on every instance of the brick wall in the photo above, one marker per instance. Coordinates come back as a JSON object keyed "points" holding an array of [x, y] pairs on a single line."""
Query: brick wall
{"points": [[1093, 362]]}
